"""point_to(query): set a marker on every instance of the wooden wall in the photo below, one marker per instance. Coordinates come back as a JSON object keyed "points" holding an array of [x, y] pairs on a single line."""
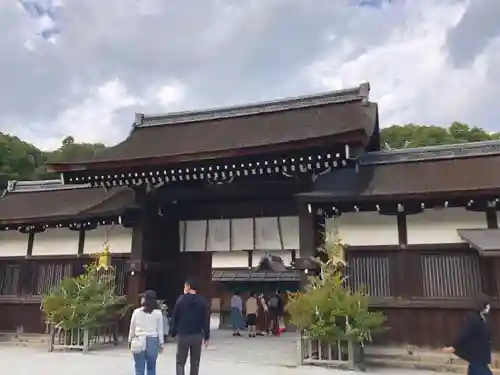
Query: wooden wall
{"points": [[424, 290], [24, 281]]}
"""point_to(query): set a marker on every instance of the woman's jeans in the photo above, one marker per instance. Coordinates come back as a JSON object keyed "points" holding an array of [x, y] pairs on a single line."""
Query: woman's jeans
{"points": [[145, 362], [478, 369]]}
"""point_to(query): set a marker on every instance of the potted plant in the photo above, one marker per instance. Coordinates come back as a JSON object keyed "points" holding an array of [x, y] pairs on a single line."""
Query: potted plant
{"points": [[83, 303], [332, 315]]}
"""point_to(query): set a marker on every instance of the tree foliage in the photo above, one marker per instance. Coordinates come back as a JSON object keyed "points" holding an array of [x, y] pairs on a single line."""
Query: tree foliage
{"points": [[328, 310], [20, 160], [412, 135], [85, 301]]}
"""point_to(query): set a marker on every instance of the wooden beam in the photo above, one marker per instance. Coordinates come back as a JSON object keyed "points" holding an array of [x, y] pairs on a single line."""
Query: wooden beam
{"points": [[280, 233], [136, 277], [31, 242], [491, 218], [487, 267], [307, 231], [402, 229], [81, 242]]}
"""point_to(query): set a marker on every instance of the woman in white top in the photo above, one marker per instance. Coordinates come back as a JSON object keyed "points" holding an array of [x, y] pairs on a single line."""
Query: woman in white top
{"points": [[146, 334]]}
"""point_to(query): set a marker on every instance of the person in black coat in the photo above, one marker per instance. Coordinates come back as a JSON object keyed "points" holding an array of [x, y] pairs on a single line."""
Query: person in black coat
{"points": [[473, 344]]}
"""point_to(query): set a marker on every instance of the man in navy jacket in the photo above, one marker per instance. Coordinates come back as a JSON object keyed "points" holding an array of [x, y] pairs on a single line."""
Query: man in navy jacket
{"points": [[473, 344], [191, 325]]}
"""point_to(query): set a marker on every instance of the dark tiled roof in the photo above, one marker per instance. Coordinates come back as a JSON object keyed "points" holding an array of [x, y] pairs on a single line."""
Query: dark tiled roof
{"points": [[456, 151], [254, 276], [485, 241], [428, 170], [35, 201], [207, 134]]}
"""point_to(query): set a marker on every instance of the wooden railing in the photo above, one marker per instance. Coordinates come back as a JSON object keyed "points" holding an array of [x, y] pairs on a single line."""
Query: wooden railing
{"points": [[339, 354], [84, 339]]}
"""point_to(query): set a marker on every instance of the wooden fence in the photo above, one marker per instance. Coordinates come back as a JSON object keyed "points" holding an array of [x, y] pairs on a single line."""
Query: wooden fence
{"points": [[24, 281], [84, 339], [424, 291]]}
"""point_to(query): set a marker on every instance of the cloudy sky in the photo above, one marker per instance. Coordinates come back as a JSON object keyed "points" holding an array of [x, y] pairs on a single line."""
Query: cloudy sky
{"points": [[83, 67]]}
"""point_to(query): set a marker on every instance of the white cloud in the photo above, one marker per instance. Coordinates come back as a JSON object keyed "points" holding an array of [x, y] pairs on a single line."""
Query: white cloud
{"points": [[94, 119], [92, 64], [168, 96], [411, 74]]}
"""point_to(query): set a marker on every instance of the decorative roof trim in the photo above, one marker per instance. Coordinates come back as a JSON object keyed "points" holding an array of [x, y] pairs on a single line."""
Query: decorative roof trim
{"points": [[40, 186], [359, 93], [463, 150]]}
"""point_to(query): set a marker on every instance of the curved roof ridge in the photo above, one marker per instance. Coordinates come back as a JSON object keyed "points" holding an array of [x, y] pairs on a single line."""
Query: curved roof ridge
{"points": [[40, 185], [441, 152], [360, 92]]}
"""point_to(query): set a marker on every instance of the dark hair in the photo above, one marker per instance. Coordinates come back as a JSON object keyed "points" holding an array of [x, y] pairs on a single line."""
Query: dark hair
{"points": [[252, 294], [149, 294], [149, 304], [192, 284]]}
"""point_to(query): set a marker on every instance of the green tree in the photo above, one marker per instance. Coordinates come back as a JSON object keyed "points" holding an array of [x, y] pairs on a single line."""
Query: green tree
{"points": [[412, 135], [71, 151], [19, 160], [85, 301], [328, 310]]}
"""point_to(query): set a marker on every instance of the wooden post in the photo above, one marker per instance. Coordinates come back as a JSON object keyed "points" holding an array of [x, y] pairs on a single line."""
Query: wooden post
{"points": [[307, 231], [307, 237], [136, 278], [487, 267], [85, 340]]}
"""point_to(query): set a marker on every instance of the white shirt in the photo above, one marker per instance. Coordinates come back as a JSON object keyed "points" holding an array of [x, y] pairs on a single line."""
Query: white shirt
{"points": [[146, 325]]}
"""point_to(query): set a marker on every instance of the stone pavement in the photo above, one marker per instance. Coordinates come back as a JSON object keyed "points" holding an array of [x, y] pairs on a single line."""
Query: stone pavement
{"points": [[226, 355]]}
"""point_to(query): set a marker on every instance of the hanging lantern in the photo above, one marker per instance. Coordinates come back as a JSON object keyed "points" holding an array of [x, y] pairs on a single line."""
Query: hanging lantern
{"points": [[104, 260]]}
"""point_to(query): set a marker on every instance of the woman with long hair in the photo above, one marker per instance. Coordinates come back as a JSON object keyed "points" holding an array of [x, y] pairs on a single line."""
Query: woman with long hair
{"points": [[146, 336]]}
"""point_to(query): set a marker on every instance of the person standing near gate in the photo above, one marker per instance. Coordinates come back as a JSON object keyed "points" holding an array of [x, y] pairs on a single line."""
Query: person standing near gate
{"points": [[275, 306], [473, 344], [236, 315], [252, 309], [146, 336], [191, 325]]}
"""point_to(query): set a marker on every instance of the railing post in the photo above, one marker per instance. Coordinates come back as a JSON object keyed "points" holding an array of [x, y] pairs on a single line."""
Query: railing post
{"points": [[52, 339], [115, 334], [351, 360], [85, 340], [300, 352]]}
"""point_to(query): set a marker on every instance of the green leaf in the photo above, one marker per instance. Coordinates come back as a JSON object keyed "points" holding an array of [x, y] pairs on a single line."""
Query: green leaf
{"points": [[328, 309]]}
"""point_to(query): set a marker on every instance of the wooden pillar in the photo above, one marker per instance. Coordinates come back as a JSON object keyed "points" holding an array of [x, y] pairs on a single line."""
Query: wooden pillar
{"points": [[136, 279], [488, 266], [309, 235], [409, 273], [307, 231]]}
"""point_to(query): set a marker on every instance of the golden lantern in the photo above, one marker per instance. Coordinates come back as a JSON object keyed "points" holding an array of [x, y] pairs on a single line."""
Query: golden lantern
{"points": [[104, 258]]}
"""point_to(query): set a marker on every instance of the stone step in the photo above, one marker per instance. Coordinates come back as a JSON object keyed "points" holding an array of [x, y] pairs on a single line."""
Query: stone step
{"points": [[416, 365], [24, 344], [26, 339], [417, 358]]}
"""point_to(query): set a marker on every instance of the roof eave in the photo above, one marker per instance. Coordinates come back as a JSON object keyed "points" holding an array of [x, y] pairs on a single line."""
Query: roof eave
{"points": [[330, 197], [59, 219], [352, 137]]}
